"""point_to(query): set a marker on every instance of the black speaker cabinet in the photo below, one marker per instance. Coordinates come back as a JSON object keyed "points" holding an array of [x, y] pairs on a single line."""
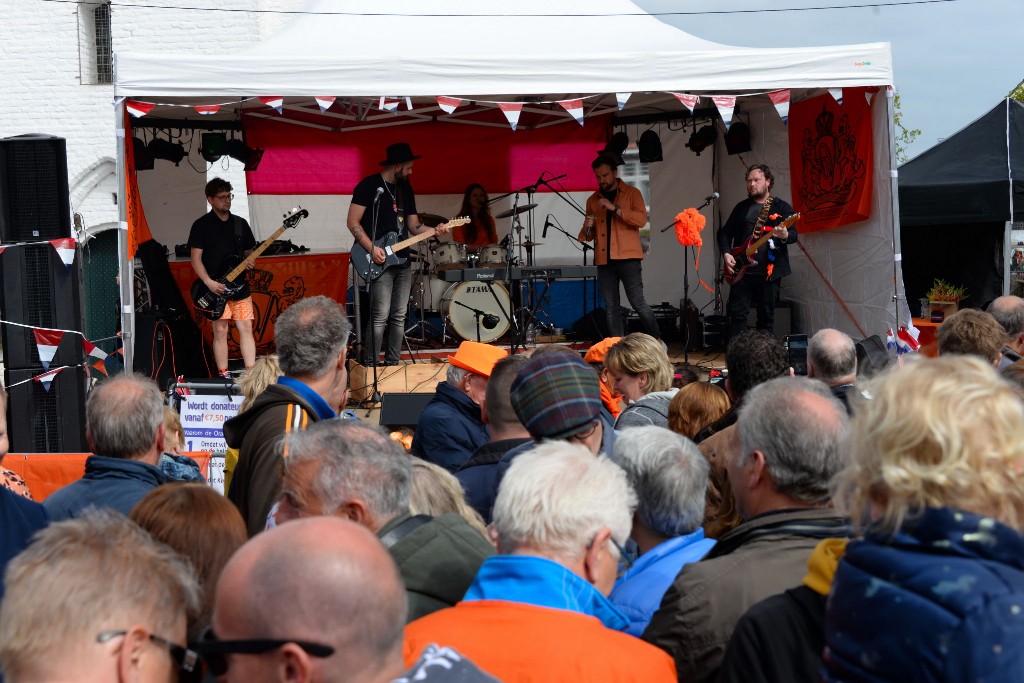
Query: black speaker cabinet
{"points": [[403, 410], [39, 290], [34, 200], [168, 345], [41, 421], [667, 317], [784, 322]]}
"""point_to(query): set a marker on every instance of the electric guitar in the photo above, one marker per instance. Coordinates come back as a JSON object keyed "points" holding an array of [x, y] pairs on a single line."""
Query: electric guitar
{"points": [[744, 254], [362, 261], [212, 305]]}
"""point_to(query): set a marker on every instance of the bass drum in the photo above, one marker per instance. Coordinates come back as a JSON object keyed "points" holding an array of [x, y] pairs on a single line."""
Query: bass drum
{"points": [[476, 295], [427, 292]]}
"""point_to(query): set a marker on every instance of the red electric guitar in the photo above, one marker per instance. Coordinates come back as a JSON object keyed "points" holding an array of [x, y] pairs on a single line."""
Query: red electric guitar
{"points": [[744, 254]]}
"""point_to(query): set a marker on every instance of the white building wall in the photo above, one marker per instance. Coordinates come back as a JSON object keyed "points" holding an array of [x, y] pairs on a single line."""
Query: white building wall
{"points": [[47, 75]]}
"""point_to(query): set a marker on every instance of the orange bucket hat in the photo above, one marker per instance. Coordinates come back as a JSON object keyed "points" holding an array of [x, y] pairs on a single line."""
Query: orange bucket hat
{"points": [[476, 357]]}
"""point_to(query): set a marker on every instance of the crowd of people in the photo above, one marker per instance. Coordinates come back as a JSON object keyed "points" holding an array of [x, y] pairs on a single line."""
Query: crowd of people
{"points": [[563, 515]]}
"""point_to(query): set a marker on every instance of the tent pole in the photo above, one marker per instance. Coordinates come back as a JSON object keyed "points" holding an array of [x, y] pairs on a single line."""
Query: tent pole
{"points": [[124, 263], [898, 291]]}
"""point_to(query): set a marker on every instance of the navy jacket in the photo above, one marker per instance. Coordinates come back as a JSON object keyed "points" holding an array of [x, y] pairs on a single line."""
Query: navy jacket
{"points": [[942, 600], [20, 518], [479, 474], [450, 429], [108, 483]]}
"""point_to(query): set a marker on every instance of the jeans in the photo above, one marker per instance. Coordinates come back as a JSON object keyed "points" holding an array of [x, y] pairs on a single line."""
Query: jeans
{"points": [[752, 290], [630, 273], [389, 299]]}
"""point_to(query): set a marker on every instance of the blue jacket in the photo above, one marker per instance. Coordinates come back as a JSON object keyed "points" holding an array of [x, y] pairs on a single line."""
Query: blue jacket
{"points": [[19, 519], [108, 483], [450, 429], [942, 600], [639, 591], [543, 583]]}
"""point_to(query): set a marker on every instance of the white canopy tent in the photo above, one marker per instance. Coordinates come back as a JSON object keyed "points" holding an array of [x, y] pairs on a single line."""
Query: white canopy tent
{"points": [[537, 50]]}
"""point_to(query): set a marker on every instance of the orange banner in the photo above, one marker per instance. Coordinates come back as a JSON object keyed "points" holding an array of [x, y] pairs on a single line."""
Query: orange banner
{"points": [[831, 154], [138, 226], [276, 283]]}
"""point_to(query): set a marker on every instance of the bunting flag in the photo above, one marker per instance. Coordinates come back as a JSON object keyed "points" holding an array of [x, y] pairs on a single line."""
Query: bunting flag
{"points": [[65, 248], [2, 249], [837, 94], [275, 103], [47, 342], [389, 104], [448, 104], [575, 109], [868, 95], [408, 103], [325, 102], [95, 352], [622, 98], [138, 109], [726, 104], [47, 377], [512, 111], [780, 98], [688, 101], [207, 109], [905, 338]]}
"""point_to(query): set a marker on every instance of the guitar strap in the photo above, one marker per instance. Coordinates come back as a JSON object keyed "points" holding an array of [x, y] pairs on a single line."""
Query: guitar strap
{"points": [[762, 216]]}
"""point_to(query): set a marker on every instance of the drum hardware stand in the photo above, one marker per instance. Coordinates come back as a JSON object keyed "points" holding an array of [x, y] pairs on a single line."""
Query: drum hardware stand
{"points": [[509, 315], [531, 314], [423, 325]]}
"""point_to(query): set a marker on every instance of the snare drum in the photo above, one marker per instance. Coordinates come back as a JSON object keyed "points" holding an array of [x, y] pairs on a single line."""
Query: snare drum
{"points": [[493, 255], [476, 295], [449, 256]]}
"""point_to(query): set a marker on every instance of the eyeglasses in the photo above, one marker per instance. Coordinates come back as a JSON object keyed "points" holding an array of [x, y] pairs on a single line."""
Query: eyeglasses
{"points": [[186, 660], [586, 433], [224, 197], [625, 561], [213, 649]]}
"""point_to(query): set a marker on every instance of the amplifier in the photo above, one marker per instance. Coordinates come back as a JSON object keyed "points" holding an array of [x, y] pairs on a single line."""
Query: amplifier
{"points": [[667, 317]]}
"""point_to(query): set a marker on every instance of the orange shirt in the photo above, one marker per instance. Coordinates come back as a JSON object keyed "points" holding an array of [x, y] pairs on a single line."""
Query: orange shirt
{"points": [[485, 234]]}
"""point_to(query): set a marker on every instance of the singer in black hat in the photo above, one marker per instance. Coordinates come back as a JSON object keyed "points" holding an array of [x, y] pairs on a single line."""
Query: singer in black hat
{"points": [[381, 203]]}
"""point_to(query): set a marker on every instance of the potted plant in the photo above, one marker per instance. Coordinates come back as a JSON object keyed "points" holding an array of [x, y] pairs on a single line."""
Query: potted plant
{"points": [[944, 299]]}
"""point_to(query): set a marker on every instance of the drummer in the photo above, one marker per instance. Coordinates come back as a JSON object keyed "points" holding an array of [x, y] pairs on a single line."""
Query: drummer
{"points": [[480, 231]]}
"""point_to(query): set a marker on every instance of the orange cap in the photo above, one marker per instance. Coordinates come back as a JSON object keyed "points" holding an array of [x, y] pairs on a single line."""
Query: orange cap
{"points": [[476, 357], [597, 352]]}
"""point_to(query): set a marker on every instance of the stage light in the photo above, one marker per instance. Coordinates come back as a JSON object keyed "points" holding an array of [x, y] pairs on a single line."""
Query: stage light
{"points": [[213, 146], [649, 147], [143, 159], [737, 138], [237, 149], [701, 139], [167, 150]]}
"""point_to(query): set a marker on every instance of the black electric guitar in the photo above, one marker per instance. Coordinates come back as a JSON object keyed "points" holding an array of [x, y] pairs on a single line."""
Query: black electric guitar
{"points": [[212, 305], [744, 254], [370, 271]]}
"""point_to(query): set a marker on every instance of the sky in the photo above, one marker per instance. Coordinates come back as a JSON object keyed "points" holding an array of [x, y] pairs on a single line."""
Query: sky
{"points": [[952, 61]]}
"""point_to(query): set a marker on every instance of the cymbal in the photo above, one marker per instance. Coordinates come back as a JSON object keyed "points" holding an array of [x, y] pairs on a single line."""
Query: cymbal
{"points": [[514, 212], [531, 244], [431, 220]]}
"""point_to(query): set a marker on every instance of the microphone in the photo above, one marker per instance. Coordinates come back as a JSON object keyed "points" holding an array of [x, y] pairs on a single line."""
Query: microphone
{"points": [[547, 224], [491, 321], [712, 197], [380, 191]]}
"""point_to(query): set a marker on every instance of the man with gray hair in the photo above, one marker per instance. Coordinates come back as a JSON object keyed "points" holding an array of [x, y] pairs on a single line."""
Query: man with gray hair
{"points": [[832, 358], [792, 433], [352, 470], [311, 339], [541, 606], [96, 599], [670, 477], [124, 426], [451, 426], [1009, 312]]}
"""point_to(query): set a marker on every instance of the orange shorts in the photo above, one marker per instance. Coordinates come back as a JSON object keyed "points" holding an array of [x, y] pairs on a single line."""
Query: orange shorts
{"points": [[239, 310]]}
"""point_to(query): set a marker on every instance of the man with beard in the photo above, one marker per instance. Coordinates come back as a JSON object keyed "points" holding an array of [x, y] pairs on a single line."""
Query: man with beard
{"points": [[760, 284], [615, 215], [381, 203]]}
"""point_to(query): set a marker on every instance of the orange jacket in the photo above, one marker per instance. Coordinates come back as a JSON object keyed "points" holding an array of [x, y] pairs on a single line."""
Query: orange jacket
{"points": [[625, 242], [517, 642]]}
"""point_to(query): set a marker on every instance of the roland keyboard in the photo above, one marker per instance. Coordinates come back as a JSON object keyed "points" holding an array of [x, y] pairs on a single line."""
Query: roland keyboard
{"points": [[519, 273]]}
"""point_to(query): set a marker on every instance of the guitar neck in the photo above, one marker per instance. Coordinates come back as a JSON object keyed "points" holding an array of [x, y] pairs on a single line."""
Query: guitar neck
{"points": [[427, 234], [240, 268], [768, 234]]}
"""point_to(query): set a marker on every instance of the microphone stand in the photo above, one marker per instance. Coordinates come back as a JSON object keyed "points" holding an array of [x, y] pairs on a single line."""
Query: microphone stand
{"points": [[477, 314], [375, 397], [707, 201], [586, 247]]}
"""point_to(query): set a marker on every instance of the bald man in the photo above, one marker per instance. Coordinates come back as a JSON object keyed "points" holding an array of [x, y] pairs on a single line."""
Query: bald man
{"points": [[1009, 312], [832, 358], [324, 603]]}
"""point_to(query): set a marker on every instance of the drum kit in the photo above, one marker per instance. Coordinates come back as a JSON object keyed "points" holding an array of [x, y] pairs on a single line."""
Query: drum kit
{"points": [[471, 310]]}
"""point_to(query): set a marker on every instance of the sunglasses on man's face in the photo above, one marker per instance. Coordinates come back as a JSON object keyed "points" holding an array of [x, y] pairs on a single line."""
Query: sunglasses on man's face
{"points": [[213, 649]]}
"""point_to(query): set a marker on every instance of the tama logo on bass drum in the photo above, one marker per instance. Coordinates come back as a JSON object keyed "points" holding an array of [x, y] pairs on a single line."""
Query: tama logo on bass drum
{"points": [[476, 290]]}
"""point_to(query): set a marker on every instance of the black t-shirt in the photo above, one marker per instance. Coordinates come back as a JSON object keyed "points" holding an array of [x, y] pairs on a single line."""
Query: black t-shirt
{"points": [[740, 226], [223, 244], [610, 196], [395, 201]]}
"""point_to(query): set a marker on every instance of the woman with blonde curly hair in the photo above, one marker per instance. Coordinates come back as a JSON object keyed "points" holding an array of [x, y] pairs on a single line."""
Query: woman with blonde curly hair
{"points": [[435, 491], [643, 375], [934, 589]]}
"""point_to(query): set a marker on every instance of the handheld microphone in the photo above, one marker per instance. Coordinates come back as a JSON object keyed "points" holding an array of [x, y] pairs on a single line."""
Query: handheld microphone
{"points": [[712, 197], [547, 224], [380, 191], [491, 321]]}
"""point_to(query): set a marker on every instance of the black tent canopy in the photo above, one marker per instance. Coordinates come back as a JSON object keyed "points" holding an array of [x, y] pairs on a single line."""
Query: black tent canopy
{"points": [[957, 202]]}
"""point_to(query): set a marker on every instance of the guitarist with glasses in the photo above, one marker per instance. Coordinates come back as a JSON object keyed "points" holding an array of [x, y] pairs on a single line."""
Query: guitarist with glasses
{"points": [[218, 242], [384, 203], [755, 274]]}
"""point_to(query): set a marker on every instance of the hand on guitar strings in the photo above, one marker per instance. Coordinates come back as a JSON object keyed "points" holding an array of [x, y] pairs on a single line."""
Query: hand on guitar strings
{"points": [[730, 263], [378, 255]]}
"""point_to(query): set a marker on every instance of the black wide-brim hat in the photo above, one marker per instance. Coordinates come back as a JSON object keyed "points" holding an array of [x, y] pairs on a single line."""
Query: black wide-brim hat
{"points": [[399, 153]]}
